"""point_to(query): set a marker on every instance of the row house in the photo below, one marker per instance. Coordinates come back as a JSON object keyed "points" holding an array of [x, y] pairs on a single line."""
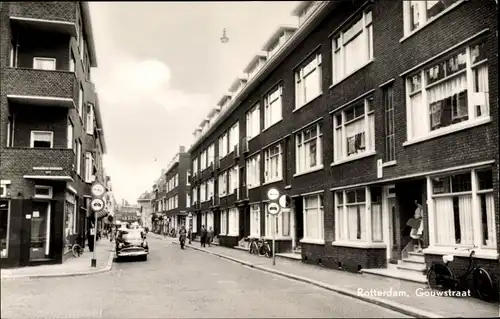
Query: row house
{"points": [[159, 193], [52, 138], [369, 112]]}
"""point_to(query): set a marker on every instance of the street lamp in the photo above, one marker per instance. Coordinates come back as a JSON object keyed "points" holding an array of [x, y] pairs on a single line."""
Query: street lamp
{"points": [[224, 38]]}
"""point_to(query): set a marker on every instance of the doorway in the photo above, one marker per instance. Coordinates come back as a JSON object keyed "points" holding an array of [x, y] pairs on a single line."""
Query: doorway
{"points": [[392, 217], [299, 221], [40, 231]]}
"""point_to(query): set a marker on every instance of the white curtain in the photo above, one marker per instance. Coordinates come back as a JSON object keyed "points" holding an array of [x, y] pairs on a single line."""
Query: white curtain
{"points": [[340, 226], [311, 157], [352, 221], [255, 222], [481, 89], [223, 222], [312, 85], [233, 221], [445, 222], [376, 222], [276, 110], [355, 53], [312, 223], [465, 216], [341, 152], [490, 220], [418, 116], [447, 89], [337, 67]]}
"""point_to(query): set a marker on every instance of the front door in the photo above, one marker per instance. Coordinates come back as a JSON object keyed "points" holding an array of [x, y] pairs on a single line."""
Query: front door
{"points": [[40, 231], [391, 216], [298, 220]]}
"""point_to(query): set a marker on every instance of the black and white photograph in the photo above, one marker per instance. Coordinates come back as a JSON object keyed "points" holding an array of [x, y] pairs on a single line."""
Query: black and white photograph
{"points": [[249, 159]]}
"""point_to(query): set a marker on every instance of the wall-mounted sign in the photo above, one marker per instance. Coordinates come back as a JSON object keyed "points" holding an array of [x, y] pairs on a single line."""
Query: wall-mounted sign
{"points": [[28, 216], [36, 214]]}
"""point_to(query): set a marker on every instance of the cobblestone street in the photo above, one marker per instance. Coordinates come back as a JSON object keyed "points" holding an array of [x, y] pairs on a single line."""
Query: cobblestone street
{"points": [[176, 283]]}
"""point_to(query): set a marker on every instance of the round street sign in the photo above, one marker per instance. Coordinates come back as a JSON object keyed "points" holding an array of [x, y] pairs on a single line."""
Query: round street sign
{"points": [[273, 194], [285, 201], [97, 190], [273, 209], [97, 205]]}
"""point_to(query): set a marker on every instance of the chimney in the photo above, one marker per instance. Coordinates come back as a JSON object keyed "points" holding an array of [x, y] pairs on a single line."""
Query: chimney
{"points": [[182, 149]]}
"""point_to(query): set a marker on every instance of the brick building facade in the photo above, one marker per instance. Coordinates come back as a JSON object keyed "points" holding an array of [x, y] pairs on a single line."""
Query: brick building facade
{"points": [[366, 114], [52, 138]]}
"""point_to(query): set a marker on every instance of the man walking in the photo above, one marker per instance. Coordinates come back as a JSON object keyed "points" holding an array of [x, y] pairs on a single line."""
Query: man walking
{"points": [[203, 237], [210, 236], [190, 234]]}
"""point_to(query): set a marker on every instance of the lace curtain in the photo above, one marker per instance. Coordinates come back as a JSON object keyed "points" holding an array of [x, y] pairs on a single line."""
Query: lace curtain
{"points": [[356, 222], [445, 221], [376, 222], [490, 222]]}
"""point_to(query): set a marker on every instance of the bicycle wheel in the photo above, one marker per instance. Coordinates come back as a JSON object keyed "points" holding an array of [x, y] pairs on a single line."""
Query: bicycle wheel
{"points": [[483, 285], [439, 277], [77, 250], [267, 250]]}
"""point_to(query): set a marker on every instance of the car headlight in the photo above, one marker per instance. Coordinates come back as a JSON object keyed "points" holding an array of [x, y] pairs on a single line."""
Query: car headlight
{"points": [[120, 245], [144, 244]]}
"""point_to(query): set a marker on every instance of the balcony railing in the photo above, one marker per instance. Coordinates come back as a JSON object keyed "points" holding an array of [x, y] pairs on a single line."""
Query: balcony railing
{"points": [[55, 162], [58, 88]]}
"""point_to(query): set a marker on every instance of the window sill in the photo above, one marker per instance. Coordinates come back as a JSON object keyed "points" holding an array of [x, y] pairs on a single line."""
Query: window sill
{"points": [[288, 186], [317, 168], [271, 182], [312, 241], [252, 187], [429, 22], [449, 130], [479, 253], [352, 73], [360, 244], [232, 234], [278, 238], [275, 123], [388, 164], [353, 158], [307, 103]]}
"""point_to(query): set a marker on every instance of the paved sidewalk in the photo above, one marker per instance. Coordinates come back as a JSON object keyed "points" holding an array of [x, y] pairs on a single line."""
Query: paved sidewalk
{"points": [[71, 267], [409, 298]]}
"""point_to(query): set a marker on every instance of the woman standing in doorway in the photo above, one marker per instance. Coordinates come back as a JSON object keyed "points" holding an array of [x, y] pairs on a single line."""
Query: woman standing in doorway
{"points": [[417, 226]]}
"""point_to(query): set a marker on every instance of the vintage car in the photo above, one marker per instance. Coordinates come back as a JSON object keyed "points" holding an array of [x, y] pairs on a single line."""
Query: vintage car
{"points": [[131, 243]]}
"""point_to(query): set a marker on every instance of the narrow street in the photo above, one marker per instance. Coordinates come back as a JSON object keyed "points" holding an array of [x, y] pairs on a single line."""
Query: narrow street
{"points": [[175, 283]]}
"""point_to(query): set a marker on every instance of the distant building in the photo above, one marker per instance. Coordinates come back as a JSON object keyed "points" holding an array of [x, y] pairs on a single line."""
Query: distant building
{"points": [[145, 202], [128, 213]]}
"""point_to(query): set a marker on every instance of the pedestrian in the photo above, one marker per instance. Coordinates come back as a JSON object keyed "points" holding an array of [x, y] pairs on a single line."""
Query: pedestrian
{"points": [[210, 236], [190, 234], [203, 237]]}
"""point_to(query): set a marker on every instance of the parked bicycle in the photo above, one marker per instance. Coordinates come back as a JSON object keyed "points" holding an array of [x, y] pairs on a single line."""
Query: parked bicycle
{"points": [[440, 277], [260, 247], [77, 248]]}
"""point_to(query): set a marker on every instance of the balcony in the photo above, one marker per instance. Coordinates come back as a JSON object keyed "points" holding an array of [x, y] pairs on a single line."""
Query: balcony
{"points": [[57, 16], [40, 87], [38, 163]]}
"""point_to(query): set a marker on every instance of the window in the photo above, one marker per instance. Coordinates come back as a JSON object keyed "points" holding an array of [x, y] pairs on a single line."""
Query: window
{"points": [[203, 160], [308, 153], [188, 178], [42, 139], [233, 179], [280, 223], [376, 210], [313, 217], [70, 219], [351, 211], [176, 201], [253, 122], [89, 166], [82, 47], [234, 137], [352, 48], [10, 131], [255, 220], [223, 145], [72, 63], [203, 192], [223, 222], [211, 154], [70, 134], [78, 157], [390, 142], [354, 132], [80, 101], [195, 166], [419, 13], [273, 165], [4, 228], [44, 63], [42, 191], [90, 119], [273, 107], [195, 198], [452, 91], [188, 200], [234, 227], [457, 201], [308, 81], [253, 171], [210, 189], [222, 184]]}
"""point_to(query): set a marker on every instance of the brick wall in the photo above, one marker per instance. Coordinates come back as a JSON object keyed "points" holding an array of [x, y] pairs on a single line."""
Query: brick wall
{"points": [[49, 10]]}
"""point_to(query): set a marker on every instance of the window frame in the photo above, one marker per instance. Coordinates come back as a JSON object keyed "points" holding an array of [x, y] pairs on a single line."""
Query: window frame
{"points": [[49, 188], [222, 191], [268, 157], [223, 145], [33, 138], [389, 128], [341, 155], [78, 157], [250, 178], [255, 223], [366, 32], [7, 237], [233, 231], [233, 142], [203, 160], [89, 165], [90, 116], [302, 143], [423, 88], [252, 117], [268, 225], [70, 134], [320, 211], [37, 59], [302, 99], [269, 101], [233, 178], [224, 222], [80, 101], [210, 154]]}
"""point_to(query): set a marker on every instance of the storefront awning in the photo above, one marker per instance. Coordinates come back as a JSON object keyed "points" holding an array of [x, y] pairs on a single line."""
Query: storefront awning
{"points": [[50, 178]]}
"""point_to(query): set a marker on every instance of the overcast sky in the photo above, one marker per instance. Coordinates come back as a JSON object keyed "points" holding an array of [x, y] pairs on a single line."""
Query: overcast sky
{"points": [[161, 68]]}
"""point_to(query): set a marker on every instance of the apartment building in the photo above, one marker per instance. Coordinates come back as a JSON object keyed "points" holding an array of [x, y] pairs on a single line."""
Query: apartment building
{"points": [[365, 113], [145, 201], [160, 224], [52, 138]]}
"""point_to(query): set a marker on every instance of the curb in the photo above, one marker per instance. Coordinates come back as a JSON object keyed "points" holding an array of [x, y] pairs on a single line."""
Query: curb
{"points": [[108, 267], [407, 310]]}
